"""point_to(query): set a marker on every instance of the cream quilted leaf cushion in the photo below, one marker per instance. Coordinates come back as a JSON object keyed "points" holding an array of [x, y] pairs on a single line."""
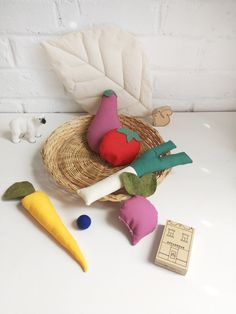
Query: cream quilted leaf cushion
{"points": [[92, 61]]}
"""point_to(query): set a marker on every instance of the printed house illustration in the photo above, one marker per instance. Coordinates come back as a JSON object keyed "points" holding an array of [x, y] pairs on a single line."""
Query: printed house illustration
{"points": [[175, 246]]}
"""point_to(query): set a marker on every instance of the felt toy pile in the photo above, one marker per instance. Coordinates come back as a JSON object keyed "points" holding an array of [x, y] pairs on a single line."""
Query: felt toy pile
{"points": [[119, 147], [116, 145]]}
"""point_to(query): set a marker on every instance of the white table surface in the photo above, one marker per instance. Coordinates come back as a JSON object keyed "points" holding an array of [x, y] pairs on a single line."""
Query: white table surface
{"points": [[38, 277]]}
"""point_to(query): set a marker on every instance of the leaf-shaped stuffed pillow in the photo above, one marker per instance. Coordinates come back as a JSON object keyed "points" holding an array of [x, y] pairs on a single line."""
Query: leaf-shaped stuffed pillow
{"points": [[144, 186], [92, 61]]}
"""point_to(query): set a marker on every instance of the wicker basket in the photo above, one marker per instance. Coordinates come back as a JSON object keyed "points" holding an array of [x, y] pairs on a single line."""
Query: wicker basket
{"points": [[73, 165]]}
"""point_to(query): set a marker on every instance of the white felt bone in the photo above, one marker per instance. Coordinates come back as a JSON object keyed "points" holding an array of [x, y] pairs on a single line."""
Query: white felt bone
{"points": [[104, 187]]}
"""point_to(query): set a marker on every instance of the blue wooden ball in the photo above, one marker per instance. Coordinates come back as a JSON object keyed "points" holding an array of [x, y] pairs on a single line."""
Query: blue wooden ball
{"points": [[83, 222]]}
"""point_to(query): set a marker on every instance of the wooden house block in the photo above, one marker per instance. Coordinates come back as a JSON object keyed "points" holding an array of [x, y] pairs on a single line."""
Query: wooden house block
{"points": [[175, 247]]}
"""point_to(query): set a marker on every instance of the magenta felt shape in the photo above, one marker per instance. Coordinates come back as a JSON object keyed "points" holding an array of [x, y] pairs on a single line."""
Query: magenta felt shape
{"points": [[105, 120], [140, 216]]}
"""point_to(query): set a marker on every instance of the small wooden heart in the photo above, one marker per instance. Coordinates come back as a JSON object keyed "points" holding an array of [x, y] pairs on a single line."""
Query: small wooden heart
{"points": [[144, 186]]}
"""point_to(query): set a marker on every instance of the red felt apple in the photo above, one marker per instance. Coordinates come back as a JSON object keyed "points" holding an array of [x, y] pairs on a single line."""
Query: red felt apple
{"points": [[120, 146]]}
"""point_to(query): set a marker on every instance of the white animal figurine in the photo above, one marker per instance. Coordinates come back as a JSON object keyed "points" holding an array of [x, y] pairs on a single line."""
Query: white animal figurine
{"points": [[29, 127]]}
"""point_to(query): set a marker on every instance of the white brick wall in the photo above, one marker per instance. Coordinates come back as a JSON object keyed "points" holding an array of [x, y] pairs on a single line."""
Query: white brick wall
{"points": [[191, 45]]}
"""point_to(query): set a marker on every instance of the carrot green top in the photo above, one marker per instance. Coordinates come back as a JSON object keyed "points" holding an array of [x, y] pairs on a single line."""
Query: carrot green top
{"points": [[18, 190]]}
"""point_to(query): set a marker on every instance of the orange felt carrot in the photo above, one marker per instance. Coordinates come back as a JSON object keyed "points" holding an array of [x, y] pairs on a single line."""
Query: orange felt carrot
{"points": [[40, 207]]}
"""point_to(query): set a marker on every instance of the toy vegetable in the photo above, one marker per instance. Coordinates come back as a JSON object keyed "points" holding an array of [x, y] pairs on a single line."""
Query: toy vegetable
{"points": [[140, 216], [105, 120], [40, 207], [120, 147], [150, 161]]}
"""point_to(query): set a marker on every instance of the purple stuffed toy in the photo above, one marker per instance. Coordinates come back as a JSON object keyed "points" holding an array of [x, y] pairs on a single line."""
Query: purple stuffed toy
{"points": [[106, 119], [140, 216]]}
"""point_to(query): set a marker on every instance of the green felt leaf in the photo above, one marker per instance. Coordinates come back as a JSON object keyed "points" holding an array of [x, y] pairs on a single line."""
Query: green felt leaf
{"points": [[129, 134], [145, 186], [18, 190]]}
